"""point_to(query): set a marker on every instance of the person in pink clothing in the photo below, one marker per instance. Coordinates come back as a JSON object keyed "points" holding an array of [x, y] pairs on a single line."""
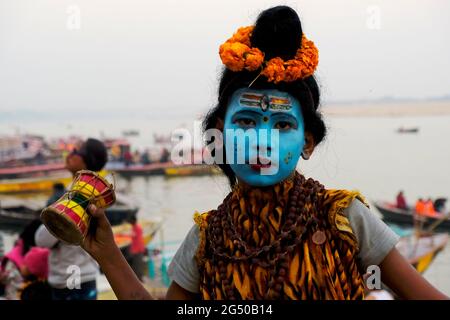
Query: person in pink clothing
{"points": [[11, 277], [35, 273], [137, 249], [35, 263]]}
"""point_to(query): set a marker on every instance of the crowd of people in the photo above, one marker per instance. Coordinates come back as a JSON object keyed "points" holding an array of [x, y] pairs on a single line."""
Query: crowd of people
{"points": [[137, 157]]}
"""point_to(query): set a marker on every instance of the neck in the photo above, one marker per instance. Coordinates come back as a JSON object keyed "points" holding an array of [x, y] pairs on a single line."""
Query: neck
{"points": [[245, 189]]}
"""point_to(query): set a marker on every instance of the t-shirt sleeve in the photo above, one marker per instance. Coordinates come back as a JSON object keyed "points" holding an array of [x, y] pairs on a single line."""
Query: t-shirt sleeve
{"points": [[44, 238], [375, 238], [183, 268]]}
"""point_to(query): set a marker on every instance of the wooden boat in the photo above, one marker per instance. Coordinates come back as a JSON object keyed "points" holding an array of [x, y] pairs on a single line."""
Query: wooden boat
{"points": [[42, 183], [392, 214], [122, 232], [163, 168], [140, 170], [408, 130], [41, 169], [122, 237], [191, 170], [421, 251], [130, 133], [33, 184], [17, 213]]}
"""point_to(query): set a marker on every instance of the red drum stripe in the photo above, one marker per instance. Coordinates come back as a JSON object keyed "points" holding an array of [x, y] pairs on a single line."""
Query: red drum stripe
{"points": [[97, 183], [73, 216]]}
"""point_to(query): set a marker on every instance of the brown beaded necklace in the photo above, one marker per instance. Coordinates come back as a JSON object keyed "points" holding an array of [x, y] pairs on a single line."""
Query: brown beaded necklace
{"points": [[274, 257]]}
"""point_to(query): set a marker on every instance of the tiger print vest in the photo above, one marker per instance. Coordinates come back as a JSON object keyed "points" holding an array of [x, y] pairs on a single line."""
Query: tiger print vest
{"points": [[289, 241]]}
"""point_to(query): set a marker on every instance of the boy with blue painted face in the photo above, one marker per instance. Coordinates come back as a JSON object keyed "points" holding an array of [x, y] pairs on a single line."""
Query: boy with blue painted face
{"points": [[273, 117], [277, 234]]}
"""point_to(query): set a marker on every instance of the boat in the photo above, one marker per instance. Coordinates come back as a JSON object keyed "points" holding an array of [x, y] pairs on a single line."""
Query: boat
{"points": [[40, 184], [162, 169], [407, 218], [121, 210], [420, 251], [408, 130], [122, 233], [191, 170], [27, 171], [29, 185], [122, 237], [17, 213], [140, 169], [130, 133]]}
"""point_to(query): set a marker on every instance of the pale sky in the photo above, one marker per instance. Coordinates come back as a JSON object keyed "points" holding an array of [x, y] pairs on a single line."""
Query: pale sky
{"points": [[134, 55]]}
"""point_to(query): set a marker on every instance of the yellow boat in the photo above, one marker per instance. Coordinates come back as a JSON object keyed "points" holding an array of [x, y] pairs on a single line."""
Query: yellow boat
{"points": [[191, 170], [123, 232], [38, 184], [421, 251], [122, 237], [41, 184]]}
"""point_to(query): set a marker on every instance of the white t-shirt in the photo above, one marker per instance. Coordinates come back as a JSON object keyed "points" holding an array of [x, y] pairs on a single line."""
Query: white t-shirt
{"points": [[65, 261], [375, 241]]}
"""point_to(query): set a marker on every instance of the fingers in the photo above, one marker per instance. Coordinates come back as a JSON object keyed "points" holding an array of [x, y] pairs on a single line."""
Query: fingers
{"points": [[99, 216], [96, 212]]}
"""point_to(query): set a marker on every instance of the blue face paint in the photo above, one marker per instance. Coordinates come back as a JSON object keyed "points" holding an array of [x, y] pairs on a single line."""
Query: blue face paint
{"points": [[264, 135]]}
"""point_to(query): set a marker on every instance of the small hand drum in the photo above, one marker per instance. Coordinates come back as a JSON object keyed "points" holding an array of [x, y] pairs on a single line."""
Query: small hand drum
{"points": [[68, 218]]}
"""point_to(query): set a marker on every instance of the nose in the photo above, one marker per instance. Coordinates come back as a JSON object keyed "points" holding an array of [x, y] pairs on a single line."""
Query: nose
{"points": [[263, 145], [263, 149]]}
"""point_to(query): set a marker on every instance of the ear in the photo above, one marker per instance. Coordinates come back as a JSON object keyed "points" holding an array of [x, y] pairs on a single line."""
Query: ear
{"points": [[309, 146], [219, 124]]}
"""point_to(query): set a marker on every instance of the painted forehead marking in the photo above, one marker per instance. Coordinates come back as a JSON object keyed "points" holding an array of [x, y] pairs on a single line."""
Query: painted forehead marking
{"points": [[265, 102]]}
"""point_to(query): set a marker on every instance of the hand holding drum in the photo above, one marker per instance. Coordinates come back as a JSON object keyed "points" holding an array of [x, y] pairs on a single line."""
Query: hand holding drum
{"points": [[68, 218]]}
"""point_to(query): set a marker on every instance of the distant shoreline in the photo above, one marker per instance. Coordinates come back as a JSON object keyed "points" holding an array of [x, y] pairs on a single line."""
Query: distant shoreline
{"points": [[388, 109]]}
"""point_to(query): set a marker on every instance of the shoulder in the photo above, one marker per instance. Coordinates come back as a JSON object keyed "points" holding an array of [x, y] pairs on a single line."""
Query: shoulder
{"points": [[375, 239], [336, 204]]}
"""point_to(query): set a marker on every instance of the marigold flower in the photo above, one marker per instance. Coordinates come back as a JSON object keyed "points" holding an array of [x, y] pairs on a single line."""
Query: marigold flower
{"points": [[237, 54], [243, 35], [232, 55], [253, 59], [274, 70]]}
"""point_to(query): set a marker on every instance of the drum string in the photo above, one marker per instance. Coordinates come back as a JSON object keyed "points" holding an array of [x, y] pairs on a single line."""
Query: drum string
{"points": [[95, 180]]}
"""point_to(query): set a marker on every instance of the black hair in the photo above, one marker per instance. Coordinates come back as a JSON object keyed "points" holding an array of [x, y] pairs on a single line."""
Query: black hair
{"points": [[27, 235], [132, 219], [277, 33], [36, 290], [94, 154], [58, 186]]}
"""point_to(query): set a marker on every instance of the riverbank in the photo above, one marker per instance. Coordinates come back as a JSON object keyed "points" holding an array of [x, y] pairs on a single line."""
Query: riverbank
{"points": [[390, 109]]}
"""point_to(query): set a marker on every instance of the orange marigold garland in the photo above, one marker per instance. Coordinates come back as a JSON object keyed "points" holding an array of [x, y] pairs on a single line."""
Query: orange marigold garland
{"points": [[237, 54]]}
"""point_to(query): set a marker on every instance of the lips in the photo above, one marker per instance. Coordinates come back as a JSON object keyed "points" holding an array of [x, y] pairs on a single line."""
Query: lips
{"points": [[261, 163]]}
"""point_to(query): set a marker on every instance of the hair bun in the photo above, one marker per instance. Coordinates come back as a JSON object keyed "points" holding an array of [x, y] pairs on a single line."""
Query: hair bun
{"points": [[278, 33]]}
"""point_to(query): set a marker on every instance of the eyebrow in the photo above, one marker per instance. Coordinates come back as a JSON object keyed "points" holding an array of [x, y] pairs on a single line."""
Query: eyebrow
{"points": [[253, 112], [285, 115]]}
